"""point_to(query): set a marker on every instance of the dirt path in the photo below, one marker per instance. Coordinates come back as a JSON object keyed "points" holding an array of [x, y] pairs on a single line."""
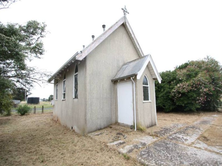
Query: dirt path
{"points": [[38, 140]]}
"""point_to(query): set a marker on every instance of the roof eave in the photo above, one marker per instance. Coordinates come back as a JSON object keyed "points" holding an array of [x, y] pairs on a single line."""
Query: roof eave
{"points": [[133, 38], [122, 78], [158, 77], [156, 73], [68, 63]]}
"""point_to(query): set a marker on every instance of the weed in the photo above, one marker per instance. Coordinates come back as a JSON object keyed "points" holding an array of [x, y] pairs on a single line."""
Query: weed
{"points": [[126, 156], [139, 127]]}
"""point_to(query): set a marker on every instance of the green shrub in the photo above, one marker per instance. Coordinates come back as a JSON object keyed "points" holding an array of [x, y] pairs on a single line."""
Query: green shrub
{"points": [[23, 109], [195, 85]]}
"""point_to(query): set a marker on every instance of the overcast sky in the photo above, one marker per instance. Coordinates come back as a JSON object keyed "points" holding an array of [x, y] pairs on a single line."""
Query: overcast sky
{"points": [[172, 31]]}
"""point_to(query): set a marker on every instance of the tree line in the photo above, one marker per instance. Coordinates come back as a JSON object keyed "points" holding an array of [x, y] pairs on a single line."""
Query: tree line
{"points": [[192, 86]]}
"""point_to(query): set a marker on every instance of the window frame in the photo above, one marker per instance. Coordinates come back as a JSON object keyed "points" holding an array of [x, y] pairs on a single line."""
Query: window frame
{"points": [[148, 89], [75, 75], [64, 88], [56, 91]]}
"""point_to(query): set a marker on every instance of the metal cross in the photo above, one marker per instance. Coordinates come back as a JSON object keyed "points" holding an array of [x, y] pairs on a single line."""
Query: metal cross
{"points": [[125, 11]]}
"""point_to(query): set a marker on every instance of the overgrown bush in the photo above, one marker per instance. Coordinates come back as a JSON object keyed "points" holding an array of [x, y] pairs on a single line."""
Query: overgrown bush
{"points": [[6, 105], [5, 97], [195, 85], [23, 109]]}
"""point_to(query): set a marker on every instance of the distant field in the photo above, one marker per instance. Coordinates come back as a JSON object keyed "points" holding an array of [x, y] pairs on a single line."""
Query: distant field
{"points": [[47, 106]]}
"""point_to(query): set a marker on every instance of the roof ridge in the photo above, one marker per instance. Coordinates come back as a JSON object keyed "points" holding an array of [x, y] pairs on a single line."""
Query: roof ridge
{"points": [[100, 38], [102, 33]]}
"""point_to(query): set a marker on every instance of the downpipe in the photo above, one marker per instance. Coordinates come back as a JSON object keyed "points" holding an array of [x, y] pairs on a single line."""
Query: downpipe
{"points": [[134, 101]]}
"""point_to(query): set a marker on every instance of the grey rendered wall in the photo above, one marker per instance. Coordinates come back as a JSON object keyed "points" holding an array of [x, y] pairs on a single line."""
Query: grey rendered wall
{"points": [[102, 65], [71, 112], [146, 114]]}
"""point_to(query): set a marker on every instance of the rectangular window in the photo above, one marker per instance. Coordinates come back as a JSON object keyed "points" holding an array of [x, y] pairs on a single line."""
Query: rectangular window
{"points": [[64, 89], [75, 83], [75, 86], [146, 90], [56, 91], [145, 93]]}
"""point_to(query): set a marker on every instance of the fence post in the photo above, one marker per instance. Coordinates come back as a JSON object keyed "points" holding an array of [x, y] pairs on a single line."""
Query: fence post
{"points": [[42, 109], [34, 109]]}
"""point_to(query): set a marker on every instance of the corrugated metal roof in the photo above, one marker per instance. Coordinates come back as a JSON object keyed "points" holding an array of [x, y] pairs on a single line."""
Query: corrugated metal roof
{"points": [[136, 68], [131, 68]]}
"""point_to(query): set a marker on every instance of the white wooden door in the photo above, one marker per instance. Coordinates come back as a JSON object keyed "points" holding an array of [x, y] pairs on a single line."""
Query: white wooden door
{"points": [[125, 102]]}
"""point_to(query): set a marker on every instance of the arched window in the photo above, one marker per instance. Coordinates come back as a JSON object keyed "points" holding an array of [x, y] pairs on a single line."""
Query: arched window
{"points": [[75, 83], [146, 90]]}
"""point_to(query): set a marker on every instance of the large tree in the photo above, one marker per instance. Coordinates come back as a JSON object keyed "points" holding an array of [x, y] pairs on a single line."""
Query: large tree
{"points": [[18, 44], [195, 85]]}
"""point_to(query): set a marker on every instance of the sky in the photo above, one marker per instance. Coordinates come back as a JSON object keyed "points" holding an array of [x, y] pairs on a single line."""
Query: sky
{"points": [[172, 31]]}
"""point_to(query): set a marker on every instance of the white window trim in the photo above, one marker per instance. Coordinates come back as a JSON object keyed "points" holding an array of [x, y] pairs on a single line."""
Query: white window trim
{"points": [[147, 101], [56, 91], [63, 89]]}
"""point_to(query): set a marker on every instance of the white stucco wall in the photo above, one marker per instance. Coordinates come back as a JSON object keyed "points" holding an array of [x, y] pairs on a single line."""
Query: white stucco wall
{"points": [[102, 65], [96, 106], [146, 114], [71, 112]]}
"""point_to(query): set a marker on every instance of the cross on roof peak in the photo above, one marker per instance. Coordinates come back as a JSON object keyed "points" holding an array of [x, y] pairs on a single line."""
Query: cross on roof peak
{"points": [[125, 11]]}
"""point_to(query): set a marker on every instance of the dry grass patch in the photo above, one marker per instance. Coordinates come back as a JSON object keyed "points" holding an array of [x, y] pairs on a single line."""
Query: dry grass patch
{"points": [[38, 140], [213, 135]]}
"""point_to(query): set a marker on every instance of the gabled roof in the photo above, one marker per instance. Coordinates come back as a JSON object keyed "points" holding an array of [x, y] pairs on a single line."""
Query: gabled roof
{"points": [[86, 51], [136, 68], [107, 33]]}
